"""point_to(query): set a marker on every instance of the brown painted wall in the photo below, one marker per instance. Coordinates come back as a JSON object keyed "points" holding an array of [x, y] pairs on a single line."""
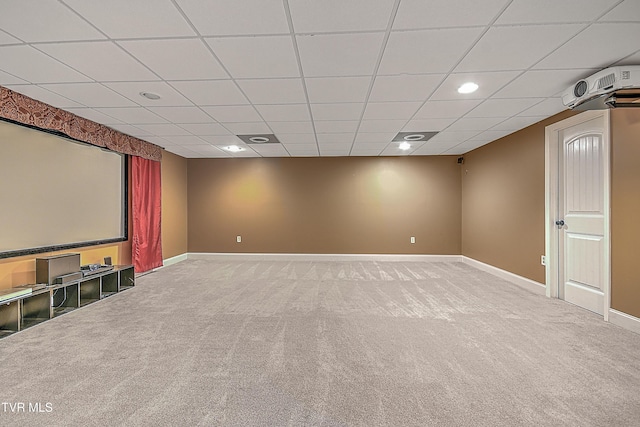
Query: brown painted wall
{"points": [[325, 205], [625, 210], [503, 202], [174, 205]]}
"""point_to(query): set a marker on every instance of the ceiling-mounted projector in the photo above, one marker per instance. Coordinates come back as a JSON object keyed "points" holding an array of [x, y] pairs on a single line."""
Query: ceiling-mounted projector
{"points": [[613, 87]]}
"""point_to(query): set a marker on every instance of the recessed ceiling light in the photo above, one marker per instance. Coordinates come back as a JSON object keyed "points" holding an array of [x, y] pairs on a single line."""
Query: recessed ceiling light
{"points": [[468, 87], [404, 145], [150, 95], [259, 139], [233, 148]]}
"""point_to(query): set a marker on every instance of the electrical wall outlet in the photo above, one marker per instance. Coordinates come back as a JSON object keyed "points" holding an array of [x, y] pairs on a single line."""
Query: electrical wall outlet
{"points": [[239, 239], [413, 239], [543, 260]]}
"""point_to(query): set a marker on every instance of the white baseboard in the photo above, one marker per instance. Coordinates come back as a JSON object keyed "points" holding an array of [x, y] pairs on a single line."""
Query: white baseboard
{"points": [[624, 320], [174, 260], [523, 282], [324, 257]]}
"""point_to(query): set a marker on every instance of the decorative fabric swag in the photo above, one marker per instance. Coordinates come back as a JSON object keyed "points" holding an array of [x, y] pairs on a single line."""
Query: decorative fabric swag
{"points": [[22, 109]]}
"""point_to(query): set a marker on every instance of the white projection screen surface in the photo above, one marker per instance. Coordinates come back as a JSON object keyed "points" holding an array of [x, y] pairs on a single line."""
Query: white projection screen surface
{"points": [[56, 193]]}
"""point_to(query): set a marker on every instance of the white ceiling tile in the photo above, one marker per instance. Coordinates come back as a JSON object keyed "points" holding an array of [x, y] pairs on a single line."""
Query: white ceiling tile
{"points": [[630, 60], [237, 17], [372, 138], [421, 125], [446, 109], [549, 11], [44, 95], [548, 108], [448, 137], [184, 152], [503, 107], [336, 126], [335, 146], [490, 135], [334, 151], [336, 138], [34, 21], [201, 129], [404, 87], [363, 152], [163, 129], [100, 60], [446, 13], [544, 83], [393, 150], [628, 10], [284, 112], [8, 39], [233, 113], [249, 57], [169, 97], [427, 51], [336, 55], [8, 79], [274, 91], [539, 40], [269, 149], [297, 138], [377, 126], [182, 114], [337, 89], [130, 130], [489, 83], [344, 111], [247, 128], [291, 127], [36, 67], [134, 115], [362, 146], [302, 149], [186, 140], [475, 123], [381, 125], [593, 48], [134, 19], [339, 15], [211, 92], [428, 150], [390, 110], [517, 123], [176, 59], [223, 140], [161, 142], [93, 115], [90, 94]]}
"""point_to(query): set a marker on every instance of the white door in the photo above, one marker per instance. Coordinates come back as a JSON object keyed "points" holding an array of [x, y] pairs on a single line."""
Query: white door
{"points": [[581, 213]]}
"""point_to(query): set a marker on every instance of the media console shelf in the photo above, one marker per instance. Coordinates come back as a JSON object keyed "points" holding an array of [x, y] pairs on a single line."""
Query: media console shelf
{"points": [[43, 304]]}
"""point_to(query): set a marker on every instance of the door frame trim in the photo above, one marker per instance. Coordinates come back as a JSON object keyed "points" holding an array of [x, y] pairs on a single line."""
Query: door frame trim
{"points": [[551, 159]]}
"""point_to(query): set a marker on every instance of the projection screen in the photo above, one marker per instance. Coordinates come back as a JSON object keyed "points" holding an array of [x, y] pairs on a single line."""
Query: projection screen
{"points": [[56, 193]]}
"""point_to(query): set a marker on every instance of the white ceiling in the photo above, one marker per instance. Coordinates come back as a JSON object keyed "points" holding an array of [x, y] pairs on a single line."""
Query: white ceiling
{"points": [[328, 78]]}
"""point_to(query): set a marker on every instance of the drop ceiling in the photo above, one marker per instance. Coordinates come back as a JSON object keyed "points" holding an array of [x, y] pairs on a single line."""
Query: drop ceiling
{"points": [[328, 78]]}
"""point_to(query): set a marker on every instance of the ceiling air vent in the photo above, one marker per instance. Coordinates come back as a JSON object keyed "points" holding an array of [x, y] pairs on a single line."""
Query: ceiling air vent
{"points": [[263, 138], [580, 89]]}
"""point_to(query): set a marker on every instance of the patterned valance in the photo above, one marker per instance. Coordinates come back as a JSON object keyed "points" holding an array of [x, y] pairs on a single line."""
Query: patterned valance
{"points": [[22, 109]]}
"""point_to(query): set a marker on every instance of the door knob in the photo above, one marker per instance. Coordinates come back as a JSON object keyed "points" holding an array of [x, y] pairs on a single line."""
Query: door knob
{"points": [[560, 223]]}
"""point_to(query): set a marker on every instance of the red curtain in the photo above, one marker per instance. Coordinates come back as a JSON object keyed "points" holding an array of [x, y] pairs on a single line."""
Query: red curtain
{"points": [[146, 197]]}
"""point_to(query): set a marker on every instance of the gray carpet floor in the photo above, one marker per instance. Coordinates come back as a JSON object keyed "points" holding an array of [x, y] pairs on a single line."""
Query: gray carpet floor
{"points": [[238, 343]]}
